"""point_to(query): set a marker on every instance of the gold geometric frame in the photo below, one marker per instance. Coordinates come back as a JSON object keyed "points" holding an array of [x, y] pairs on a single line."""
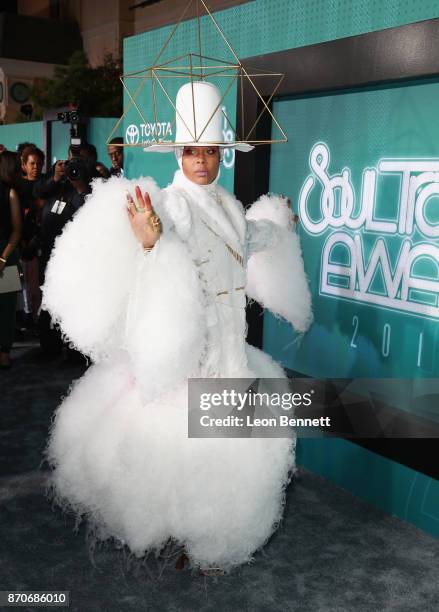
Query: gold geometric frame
{"points": [[196, 66]]}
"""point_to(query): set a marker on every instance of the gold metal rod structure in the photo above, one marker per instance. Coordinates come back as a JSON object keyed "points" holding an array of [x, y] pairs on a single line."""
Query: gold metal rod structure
{"points": [[218, 105], [220, 74], [220, 31], [134, 100], [268, 102], [193, 98], [263, 102], [131, 75], [158, 69], [199, 35], [174, 59], [271, 141], [126, 110], [265, 71], [230, 123], [177, 25], [173, 74], [154, 98], [213, 143], [223, 62], [173, 105], [184, 70], [268, 74], [198, 69], [179, 75]]}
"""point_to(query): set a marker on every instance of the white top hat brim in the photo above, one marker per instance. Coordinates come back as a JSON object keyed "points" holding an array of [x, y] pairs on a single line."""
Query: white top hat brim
{"points": [[170, 148]]}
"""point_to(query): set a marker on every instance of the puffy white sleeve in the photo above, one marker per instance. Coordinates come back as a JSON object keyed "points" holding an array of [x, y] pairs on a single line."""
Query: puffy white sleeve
{"points": [[92, 268], [276, 275], [107, 295], [165, 326]]}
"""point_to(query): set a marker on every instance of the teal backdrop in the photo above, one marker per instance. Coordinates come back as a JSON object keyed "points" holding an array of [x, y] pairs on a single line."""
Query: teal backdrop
{"points": [[11, 135], [349, 337], [98, 129], [354, 224]]}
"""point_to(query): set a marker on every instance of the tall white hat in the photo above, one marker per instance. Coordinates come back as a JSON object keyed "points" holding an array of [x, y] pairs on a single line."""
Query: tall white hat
{"points": [[199, 119]]}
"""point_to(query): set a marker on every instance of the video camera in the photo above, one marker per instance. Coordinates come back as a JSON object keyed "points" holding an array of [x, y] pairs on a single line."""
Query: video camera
{"points": [[76, 169]]}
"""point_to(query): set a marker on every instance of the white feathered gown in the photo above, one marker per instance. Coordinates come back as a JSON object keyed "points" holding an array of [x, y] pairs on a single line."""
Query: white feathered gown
{"points": [[119, 444]]}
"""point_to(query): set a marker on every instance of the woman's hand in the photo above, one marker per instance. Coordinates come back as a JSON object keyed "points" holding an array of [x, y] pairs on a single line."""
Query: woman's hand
{"points": [[144, 221]]}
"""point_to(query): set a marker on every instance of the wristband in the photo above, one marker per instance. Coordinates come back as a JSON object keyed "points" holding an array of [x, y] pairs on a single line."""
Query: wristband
{"points": [[3, 260]]}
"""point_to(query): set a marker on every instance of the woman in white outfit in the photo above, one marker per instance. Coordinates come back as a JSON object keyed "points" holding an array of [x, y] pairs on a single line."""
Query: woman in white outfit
{"points": [[156, 296]]}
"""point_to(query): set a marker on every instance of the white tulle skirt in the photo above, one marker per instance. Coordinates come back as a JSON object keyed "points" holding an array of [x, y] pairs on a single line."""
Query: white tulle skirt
{"points": [[129, 468]]}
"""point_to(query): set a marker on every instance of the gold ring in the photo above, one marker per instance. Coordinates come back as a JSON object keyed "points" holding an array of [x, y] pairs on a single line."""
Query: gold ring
{"points": [[156, 224]]}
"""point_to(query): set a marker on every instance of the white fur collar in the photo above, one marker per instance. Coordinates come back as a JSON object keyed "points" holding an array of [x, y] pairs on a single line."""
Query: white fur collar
{"points": [[220, 209]]}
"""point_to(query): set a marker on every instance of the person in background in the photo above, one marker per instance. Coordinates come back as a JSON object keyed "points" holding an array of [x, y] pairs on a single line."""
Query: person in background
{"points": [[103, 170], [10, 234], [20, 148], [64, 195], [115, 153], [89, 153], [32, 160], [31, 164]]}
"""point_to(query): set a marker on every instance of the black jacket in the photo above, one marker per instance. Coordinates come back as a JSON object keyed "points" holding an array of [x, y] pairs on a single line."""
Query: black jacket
{"points": [[62, 202]]}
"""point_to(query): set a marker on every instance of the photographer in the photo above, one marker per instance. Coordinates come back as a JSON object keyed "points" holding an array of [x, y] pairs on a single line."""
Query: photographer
{"points": [[64, 191]]}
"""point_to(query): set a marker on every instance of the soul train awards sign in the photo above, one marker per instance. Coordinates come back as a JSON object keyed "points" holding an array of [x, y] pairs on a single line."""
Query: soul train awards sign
{"points": [[347, 213], [362, 171]]}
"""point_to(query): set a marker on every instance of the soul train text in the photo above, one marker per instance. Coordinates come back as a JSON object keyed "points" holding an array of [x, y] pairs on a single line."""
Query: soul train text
{"points": [[410, 273]]}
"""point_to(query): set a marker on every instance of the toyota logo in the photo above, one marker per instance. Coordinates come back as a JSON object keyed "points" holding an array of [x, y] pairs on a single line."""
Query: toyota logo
{"points": [[132, 134]]}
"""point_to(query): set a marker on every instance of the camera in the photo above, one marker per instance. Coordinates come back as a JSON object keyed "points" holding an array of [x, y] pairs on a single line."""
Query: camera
{"points": [[71, 117], [76, 169]]}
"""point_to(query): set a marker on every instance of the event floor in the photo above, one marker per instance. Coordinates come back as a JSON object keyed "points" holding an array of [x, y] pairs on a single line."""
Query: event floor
{"points": [[332, 552]]}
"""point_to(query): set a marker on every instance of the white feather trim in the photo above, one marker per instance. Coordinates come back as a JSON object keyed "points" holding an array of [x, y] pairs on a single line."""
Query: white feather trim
{"points": [[92, 267], [131, 469], [273, 208], [276, 276], [166, 329]]}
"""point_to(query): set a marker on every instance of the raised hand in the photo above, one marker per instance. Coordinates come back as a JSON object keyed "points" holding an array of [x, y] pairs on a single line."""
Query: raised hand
{"points": [[144, 221]]}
